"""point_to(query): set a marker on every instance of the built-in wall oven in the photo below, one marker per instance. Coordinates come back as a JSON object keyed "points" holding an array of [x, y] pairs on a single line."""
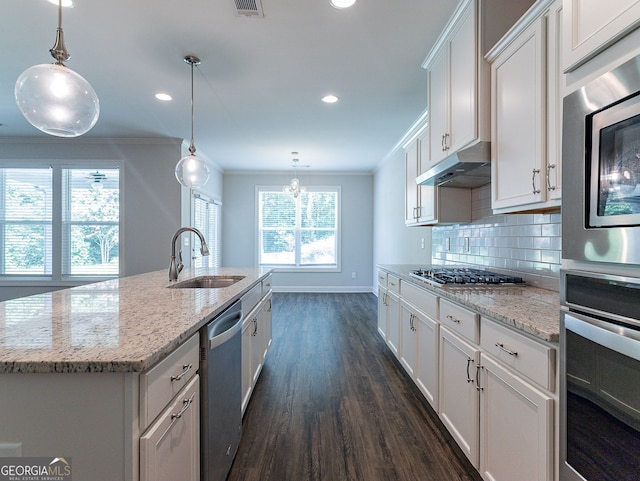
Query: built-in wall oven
{"points": [[600, 280]]}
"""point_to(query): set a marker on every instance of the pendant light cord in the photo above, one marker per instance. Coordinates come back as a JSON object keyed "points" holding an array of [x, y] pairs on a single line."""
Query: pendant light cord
{"points": [[192, 147]]}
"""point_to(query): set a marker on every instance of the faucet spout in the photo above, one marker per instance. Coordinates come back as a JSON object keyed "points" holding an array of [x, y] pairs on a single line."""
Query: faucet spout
{"points": [[174, 269]]}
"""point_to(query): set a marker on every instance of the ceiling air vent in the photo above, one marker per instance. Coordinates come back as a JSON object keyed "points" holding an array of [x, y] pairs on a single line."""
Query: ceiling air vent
{"points": [[248, 8]]}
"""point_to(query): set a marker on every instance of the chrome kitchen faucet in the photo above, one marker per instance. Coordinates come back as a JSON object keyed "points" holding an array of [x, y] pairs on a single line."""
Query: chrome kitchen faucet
{"points": [[175, 269]]}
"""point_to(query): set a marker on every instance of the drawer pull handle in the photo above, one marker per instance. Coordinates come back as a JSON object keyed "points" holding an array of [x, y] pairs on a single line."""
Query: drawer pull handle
{"points": [[469, 361], [502, 348], [185, 405], [478, 387], [185, 369], [451, 318]]}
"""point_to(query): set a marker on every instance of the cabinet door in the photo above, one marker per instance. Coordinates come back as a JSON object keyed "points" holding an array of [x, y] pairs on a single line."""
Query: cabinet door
{"points": [[518, 78], [463, 83], [555, 95], [408, 330], [459, 399], [393, 313], [590, 26], [247, 386], [170, 448], [382, 312], [516, 437], [267, 330], [256, 345], [426, 374], [411, 188], [438, 99]]}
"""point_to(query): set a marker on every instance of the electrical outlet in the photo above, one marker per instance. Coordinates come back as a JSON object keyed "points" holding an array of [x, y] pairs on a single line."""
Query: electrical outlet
{"points": [[353, 275], [447, 243], [466, 244], [422, 243]]}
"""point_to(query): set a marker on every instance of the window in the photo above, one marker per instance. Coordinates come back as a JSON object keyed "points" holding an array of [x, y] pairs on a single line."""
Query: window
{"points": [[59, 221], [299, 232], [206, 218]]}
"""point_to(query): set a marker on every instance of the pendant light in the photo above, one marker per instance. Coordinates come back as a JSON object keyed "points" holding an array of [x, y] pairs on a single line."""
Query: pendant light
{"points": [[54, 98], [294, 186], [191, 170]]}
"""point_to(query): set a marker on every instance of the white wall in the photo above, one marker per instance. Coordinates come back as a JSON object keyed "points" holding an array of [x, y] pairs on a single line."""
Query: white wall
{"points": [[150, 195], [394, 243], [239, 233]]}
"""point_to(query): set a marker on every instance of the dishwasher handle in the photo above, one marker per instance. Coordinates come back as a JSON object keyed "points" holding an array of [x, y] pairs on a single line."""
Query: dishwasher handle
{"points": [[224, 328]]}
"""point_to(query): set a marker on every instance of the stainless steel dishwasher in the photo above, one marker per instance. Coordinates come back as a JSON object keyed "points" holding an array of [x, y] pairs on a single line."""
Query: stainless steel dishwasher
{"points": [[221, 392]]}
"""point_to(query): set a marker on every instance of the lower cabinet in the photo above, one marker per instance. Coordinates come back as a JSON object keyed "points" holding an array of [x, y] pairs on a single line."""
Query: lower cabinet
{"points": [[256, 339], [459, 397], [170, 448], [491, 385], [516, 427]]}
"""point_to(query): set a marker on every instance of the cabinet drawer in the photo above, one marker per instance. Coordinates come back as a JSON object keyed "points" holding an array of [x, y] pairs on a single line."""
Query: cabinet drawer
{"points": [[534, 360], [382, 278], [393, 283], [421, 299], [459, 319], [251, 299], [161, 383], [266, 285], [170, 448]]}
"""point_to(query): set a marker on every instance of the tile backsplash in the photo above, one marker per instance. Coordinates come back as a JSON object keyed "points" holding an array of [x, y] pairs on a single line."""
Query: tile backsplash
{"points": [[524, 244]]}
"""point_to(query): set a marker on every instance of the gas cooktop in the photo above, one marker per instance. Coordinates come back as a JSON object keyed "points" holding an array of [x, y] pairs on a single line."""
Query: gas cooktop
{"points": [[445, 275]]}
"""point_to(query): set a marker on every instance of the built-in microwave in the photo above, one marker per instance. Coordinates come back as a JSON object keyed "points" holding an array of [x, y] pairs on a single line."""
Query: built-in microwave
{"points": [[601, 169]]}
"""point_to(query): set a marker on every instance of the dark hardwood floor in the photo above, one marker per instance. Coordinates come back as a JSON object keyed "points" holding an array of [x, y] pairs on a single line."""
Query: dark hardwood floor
{"points": [[333, 404]]}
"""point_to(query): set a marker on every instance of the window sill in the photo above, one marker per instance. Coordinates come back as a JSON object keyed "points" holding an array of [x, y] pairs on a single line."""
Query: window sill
{"points": [[291, 269]]}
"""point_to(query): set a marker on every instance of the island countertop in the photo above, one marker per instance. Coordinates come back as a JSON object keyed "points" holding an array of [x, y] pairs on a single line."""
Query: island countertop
{"points": [[119, 325], [529, 309]]}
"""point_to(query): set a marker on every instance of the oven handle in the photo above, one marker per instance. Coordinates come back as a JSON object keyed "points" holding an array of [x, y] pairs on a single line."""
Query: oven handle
{"points": [[612, 336]]}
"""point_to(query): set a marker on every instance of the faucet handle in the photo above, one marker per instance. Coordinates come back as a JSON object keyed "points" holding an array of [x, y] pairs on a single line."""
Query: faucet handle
{"points": [[180, 264]]}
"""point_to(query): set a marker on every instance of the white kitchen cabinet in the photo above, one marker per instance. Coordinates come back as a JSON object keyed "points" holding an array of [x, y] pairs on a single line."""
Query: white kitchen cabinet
{"points": [[516, 427], [591, 26], [459, 398], [426, 204], [420, 339], [526, 113], [393, 314], [458, 77], [256, 339], [382, 312], [170, 448]]}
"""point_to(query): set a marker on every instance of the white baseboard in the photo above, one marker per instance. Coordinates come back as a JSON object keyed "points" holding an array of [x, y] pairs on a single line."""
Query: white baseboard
{"points": [[323, 289]]}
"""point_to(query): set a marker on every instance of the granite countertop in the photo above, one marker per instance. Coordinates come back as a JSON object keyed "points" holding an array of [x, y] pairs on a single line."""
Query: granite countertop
{"points": [[530, 309], [120, 325]]}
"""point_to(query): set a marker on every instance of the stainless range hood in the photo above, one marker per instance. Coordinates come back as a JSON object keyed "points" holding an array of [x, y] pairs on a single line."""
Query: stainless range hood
{"points": [[470, 167]]}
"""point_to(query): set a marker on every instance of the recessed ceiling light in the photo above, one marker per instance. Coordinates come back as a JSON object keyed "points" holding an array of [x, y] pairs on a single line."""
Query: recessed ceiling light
{"points": [[65, 3], [330, 99], [342, 3], [164, 97]]}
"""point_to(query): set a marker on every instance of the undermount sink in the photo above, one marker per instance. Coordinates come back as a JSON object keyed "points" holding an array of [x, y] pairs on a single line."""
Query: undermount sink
{"points": [[207, 282]]}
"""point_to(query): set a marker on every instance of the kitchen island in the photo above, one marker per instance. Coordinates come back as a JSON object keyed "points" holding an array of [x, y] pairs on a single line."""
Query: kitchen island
{"points": [[74, 365]]}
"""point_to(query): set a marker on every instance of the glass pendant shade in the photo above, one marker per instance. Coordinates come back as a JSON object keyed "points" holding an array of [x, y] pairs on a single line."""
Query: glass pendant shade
{"points": [[57, 100], [192, 171]]}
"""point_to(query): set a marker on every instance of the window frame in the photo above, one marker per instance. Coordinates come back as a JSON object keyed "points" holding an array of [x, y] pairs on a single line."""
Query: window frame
{"points": [[57, 278], [301, 268]]}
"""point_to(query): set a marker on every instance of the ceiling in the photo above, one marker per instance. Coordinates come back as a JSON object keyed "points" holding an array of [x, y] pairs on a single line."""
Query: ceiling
{"points": [[258, 89]]}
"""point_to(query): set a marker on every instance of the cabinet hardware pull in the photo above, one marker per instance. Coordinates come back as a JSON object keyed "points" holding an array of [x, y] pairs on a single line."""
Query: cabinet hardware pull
{"points": [[185, 405], [442, 142], [478, 387], [255, 326], [185, 369], [451, 318], [549, 186], [446, 143], [469, 360], [501, 347], [533, 181]]}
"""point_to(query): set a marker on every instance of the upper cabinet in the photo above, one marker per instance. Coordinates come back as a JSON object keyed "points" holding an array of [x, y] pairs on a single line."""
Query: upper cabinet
{"points": [[526, 102], [592, 25], [458, 78]]}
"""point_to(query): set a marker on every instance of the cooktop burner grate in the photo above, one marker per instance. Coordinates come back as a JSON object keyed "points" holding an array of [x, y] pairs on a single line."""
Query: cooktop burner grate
{"points": [[444, 275]]}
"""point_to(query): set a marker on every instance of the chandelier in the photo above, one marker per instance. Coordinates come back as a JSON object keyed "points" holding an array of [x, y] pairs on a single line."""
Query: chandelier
{"points": [[294, 186]]}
